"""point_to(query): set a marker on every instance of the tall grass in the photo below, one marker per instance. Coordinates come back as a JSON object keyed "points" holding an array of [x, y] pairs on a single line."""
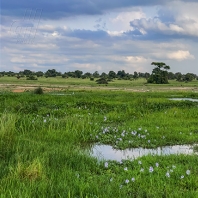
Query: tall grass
{"points": [[45, 141]]}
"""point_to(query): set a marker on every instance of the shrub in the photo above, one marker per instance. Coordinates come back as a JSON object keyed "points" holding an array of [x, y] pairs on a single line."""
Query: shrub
{"points": [[102, 81], [38, 90], [92, 78], [31, 78]]}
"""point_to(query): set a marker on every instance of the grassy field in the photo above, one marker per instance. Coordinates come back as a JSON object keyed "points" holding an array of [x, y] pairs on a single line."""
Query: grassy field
{"points": [[45, 141], [59, 82]]}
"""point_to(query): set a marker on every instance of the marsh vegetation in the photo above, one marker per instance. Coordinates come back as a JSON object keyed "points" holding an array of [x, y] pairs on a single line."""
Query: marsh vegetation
{"points": [[45, 139]]}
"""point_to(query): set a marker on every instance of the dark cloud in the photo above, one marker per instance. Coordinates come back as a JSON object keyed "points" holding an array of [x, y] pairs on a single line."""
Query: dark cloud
{"points": [[88, 34], [65, 8]]}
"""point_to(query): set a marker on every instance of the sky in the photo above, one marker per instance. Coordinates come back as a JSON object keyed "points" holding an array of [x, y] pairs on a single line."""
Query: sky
{"points": [[99, 35]]}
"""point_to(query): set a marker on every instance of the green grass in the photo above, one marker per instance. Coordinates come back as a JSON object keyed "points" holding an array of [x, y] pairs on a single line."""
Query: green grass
{"points": [[77, 82], [44, 141]]}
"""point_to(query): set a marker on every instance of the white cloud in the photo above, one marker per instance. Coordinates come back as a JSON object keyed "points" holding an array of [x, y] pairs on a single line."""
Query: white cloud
{"points": [[180, 55]]}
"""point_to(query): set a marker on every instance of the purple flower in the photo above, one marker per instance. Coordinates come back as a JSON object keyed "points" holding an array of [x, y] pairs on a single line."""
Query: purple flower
{"points": [[106, 164], [151, 169]]}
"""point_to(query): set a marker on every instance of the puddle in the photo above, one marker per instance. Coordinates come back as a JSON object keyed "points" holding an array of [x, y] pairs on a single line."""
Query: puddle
{"points": [[108, 153], [188, 99], [62, 94]]}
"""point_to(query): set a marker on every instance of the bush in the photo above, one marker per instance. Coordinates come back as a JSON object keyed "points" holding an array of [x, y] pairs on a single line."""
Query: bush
{"points": [[31, 78], [92, 78], [38, 90], [102, 81]]}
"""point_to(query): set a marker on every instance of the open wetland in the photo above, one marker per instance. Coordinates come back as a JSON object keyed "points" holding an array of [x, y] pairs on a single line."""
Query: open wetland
{"points": [[99, 143]]}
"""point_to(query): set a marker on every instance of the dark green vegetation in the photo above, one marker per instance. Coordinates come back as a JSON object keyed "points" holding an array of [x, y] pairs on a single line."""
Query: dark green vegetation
{"points": [[159, 75], [42, 141]]}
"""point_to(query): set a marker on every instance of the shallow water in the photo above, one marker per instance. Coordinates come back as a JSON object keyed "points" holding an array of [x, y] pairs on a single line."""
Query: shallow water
{"points": [[107, 152], [188, 99], [61, 94]]}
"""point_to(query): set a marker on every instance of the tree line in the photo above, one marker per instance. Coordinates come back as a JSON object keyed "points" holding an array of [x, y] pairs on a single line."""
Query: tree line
{"points": [[159, 75]]}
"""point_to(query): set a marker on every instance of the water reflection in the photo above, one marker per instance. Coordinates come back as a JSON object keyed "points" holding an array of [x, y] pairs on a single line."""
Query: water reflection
{"points": [[108, 153], [188, 99]]}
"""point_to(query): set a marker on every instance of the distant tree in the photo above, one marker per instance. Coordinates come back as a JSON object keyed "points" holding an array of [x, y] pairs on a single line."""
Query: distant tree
{"points": [[121, 74], [147, 75], [179, 76], [58, 74], [96, 74], [159, 74], [188, 77], [39, 73], [50, 73], [83, 77], [171, 76], [78, 73], [135, 75], [71, 74], [88, 74], [64, 75], [104, 75], [112, 74], [27, 72]]}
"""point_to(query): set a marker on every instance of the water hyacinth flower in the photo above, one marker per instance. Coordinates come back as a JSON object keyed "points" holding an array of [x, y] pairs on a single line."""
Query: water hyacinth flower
{"points": [[151, 169], [140, 129], [156, 164], [111, 180], [106, 164], [133, 179], [139, 162], [126, 169], [173, 166], [126, 181], [105, 118], [182, 177], [133, 132], [188, 172], [149, 141], [141, 170], [167, 174]]}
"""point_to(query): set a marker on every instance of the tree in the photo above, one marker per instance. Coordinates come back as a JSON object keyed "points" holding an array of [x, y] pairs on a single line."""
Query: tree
{"points": [[50, 73], [39, 73], [96, 74], [159, 74], [147, 75], [78, 73], [121, 74], [112, 74], [135, 75], [104, 75], [88, 74]]}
